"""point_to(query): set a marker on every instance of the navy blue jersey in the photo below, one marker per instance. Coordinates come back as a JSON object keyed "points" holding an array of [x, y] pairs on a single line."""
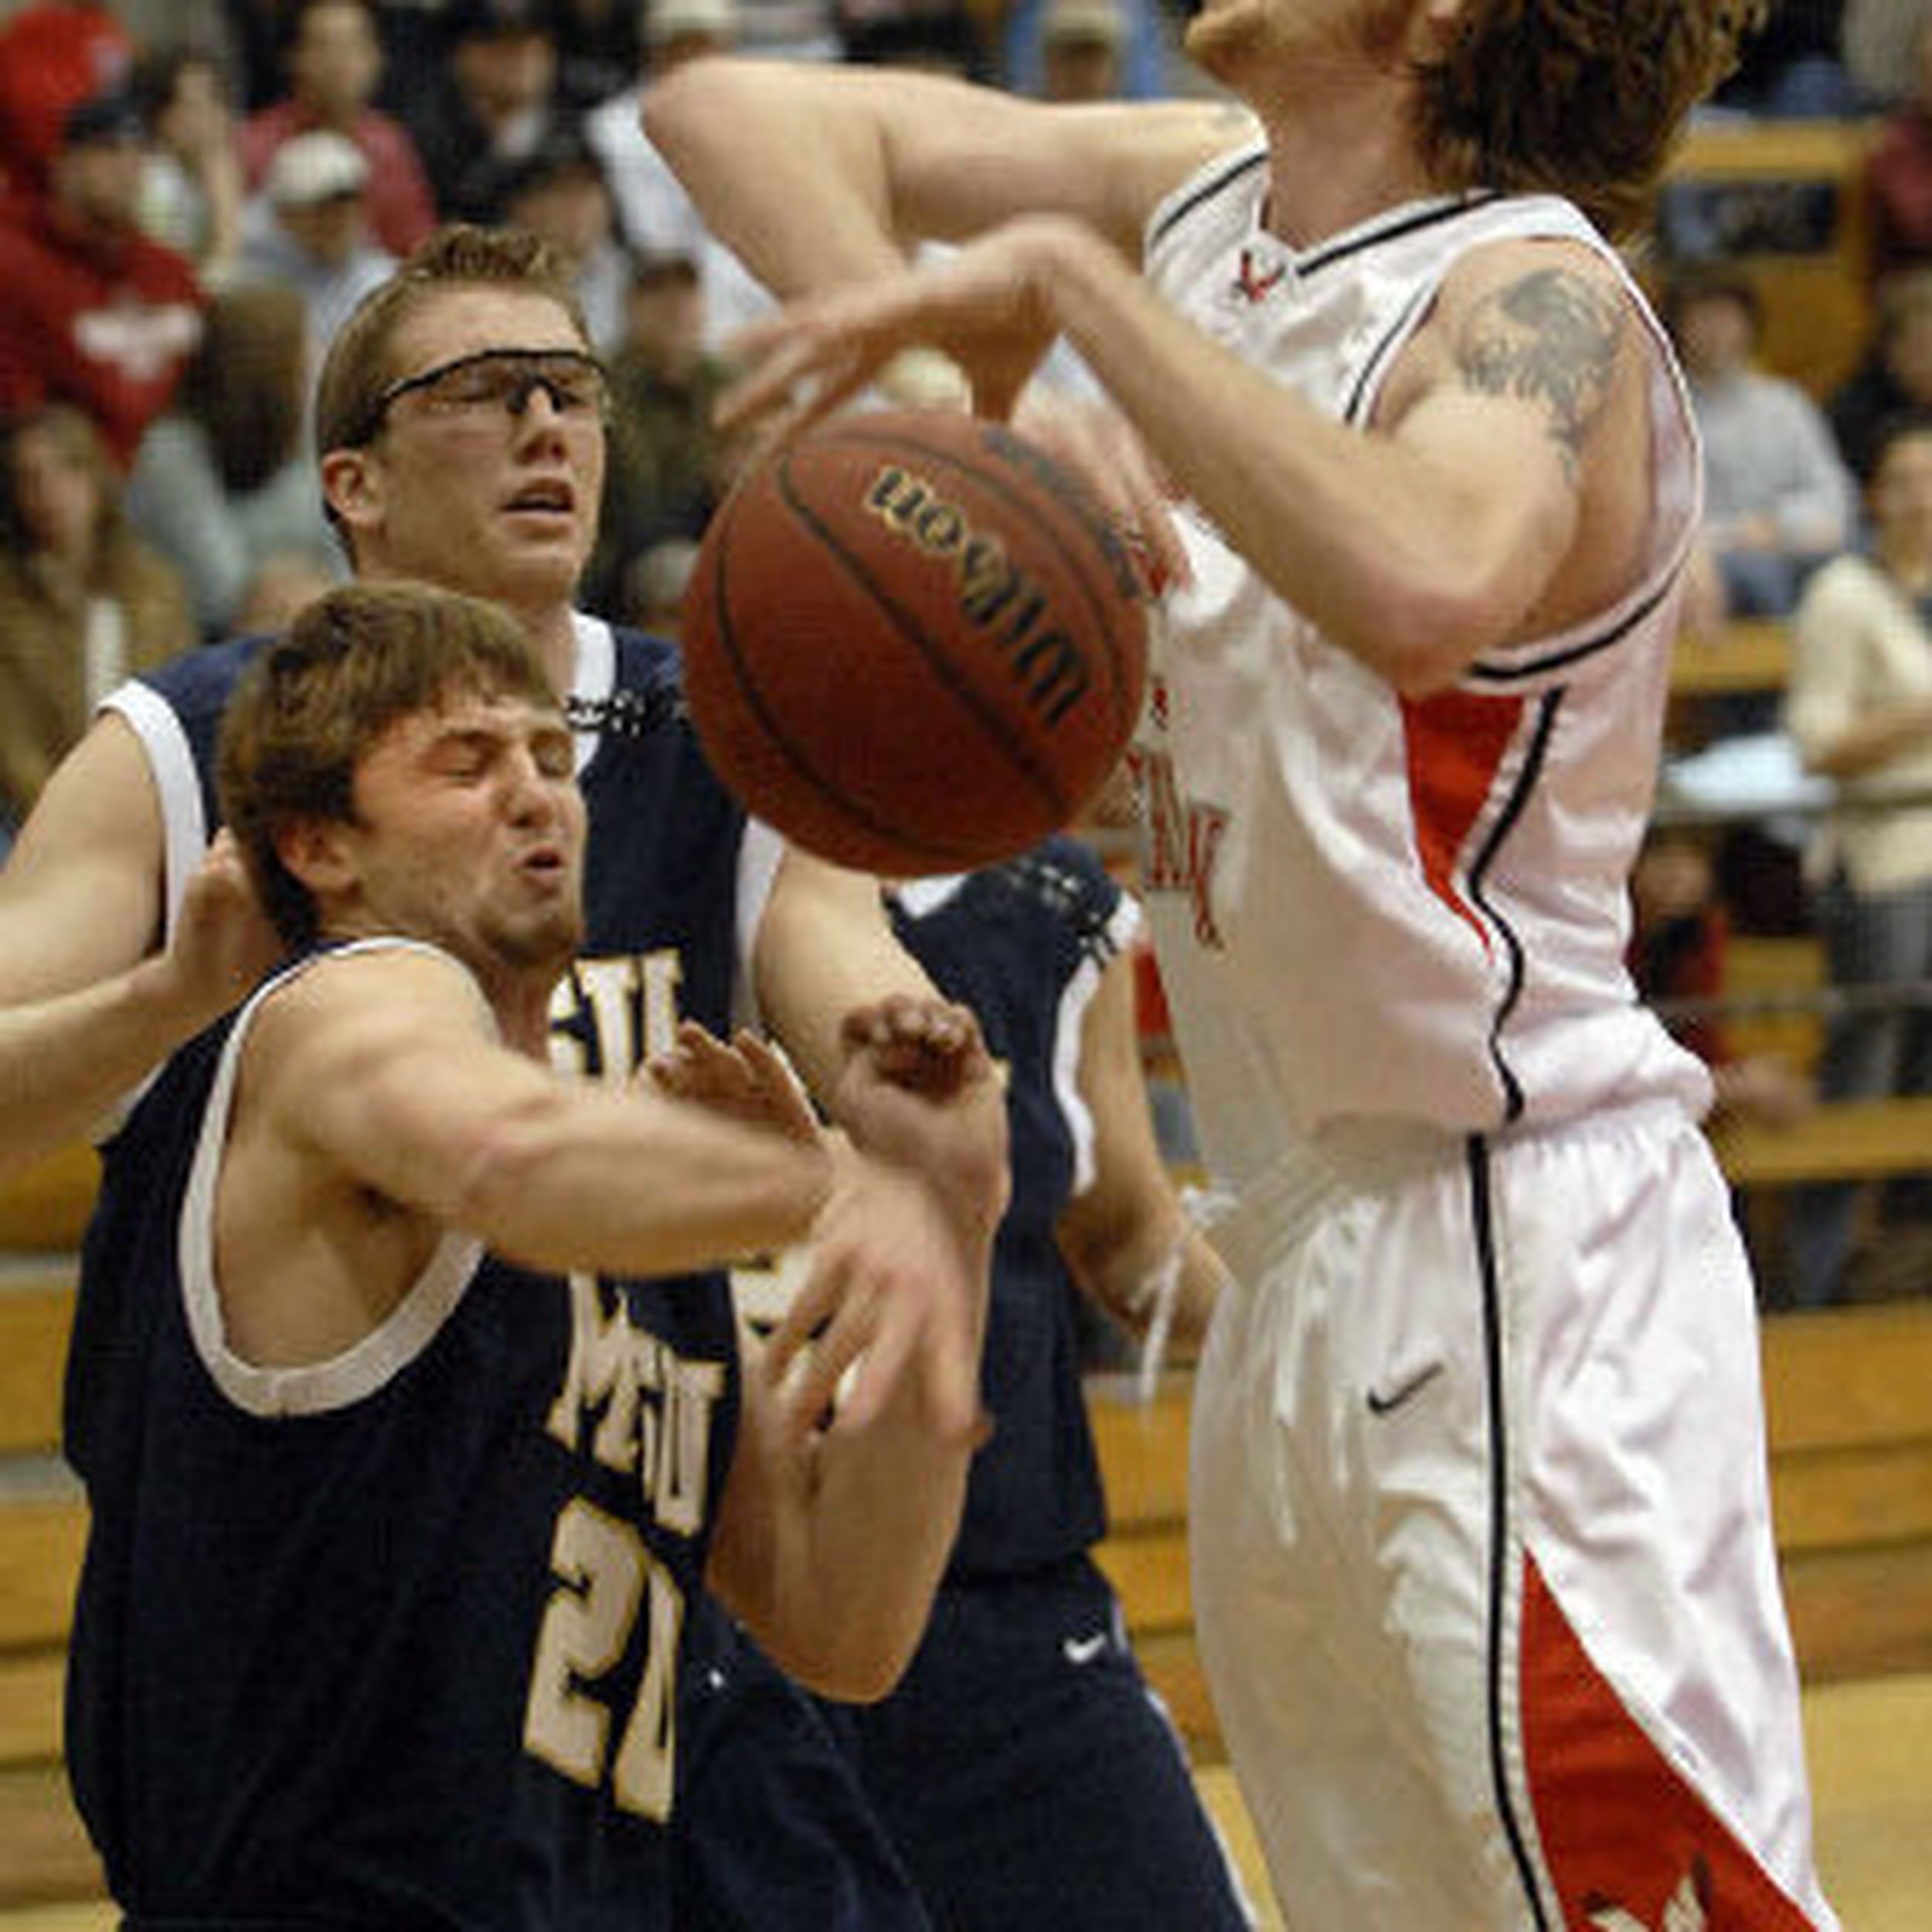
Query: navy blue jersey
{"points": [[672, 876], [392, 1641], [1023, 944]]}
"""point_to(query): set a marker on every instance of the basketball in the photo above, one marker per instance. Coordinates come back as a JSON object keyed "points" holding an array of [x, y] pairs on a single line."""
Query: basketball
{"points": [[913, 643]]}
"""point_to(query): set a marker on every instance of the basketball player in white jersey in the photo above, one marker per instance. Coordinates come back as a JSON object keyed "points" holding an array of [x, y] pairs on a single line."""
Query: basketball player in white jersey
{"points": [[1484, 1570]]}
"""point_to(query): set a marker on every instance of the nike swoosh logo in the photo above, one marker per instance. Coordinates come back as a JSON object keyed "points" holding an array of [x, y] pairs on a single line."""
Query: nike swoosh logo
{"points": [[1383, 1402], [1083, 1650]]}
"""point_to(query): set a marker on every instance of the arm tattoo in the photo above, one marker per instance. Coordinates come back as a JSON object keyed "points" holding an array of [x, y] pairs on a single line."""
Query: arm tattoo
{"points": [[1551, 336]]}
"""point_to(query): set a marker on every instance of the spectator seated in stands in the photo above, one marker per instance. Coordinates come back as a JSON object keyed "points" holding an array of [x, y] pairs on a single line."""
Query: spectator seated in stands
{"points": [[1777, 496], [1792, 67], [1898, 174], [1036, 41], [309, 230], [333, 61], [1859, 707], [1082, 50], [1895, 376], [670, 466], [1876, 39], [1680, 927], [225, 485], [53, 56], [82, 602], [497, 98], [655, 214], [96, 314], [558, 191], [191, 195]]}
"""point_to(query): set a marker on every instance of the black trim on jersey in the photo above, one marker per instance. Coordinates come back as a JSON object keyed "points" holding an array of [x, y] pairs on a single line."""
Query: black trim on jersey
{"points": [[1482, 1222], [1345, 245], [1206, 191], [1498, 673], [1398, 333], [1505, 822]]}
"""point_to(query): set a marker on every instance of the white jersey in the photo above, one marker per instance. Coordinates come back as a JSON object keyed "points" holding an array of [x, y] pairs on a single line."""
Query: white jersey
{"points": [[1366, 905]]}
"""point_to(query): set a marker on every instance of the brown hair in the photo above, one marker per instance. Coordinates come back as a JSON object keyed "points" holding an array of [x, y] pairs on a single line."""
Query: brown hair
{"points": [[73, 433], [357, 368], [1579, 97], [355, 662], [246, 381]]}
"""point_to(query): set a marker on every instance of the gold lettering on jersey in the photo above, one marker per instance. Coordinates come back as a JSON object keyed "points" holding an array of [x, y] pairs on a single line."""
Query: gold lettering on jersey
{"points": [[609, 1015], [1181, 839], [610, 1593], [647, 1410], [999, 598]]}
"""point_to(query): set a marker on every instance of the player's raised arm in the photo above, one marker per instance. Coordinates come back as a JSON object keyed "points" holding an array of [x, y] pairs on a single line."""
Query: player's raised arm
{"points": [[818, 175]]}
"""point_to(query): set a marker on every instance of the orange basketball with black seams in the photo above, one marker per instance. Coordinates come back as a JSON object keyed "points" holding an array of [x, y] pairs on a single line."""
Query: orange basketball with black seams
{"points": [[913, 643]]}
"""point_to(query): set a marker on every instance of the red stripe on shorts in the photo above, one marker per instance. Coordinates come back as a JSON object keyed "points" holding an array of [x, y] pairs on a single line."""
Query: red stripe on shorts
{"points": [[1629, 1844]]}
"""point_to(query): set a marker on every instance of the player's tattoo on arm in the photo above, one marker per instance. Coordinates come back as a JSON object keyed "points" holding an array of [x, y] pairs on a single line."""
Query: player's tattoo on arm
{"points": [[1550, 336]]}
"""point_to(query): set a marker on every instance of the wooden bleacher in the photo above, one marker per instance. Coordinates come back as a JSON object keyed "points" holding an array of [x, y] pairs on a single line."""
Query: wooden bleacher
{"points": [[1817, 301]]}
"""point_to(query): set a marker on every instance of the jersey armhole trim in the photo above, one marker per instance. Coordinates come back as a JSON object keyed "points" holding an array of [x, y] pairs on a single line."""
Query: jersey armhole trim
{"points": [[358, 1371]]}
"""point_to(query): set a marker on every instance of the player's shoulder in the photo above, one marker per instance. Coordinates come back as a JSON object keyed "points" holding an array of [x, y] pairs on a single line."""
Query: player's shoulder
{"points": [[384, 987], [1529, 272]]}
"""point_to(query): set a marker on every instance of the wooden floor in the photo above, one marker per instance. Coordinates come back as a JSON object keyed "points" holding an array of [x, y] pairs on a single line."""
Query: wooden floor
{"points": [[1870, 1743]]}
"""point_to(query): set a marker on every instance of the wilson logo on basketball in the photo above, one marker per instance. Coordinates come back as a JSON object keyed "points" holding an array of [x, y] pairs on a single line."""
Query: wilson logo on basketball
{"points": [[997, 596]]}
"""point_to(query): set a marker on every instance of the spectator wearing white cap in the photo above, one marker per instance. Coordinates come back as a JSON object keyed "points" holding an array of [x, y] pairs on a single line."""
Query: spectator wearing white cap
{"points": [[1082, 43], [309, 229], [1139, 38], [333, 57]]}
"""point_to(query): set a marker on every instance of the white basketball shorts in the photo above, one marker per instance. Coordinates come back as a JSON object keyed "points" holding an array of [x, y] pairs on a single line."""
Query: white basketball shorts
{"points": [[1484, 1575]]}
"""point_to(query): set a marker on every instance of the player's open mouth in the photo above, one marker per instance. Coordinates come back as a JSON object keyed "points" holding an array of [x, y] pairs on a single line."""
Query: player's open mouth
{"points": [[555, 498]]}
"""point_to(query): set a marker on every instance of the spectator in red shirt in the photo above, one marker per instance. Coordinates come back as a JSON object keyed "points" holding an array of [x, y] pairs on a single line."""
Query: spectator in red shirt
{"points": [[53, 55], [335, 60], [93, 311]]}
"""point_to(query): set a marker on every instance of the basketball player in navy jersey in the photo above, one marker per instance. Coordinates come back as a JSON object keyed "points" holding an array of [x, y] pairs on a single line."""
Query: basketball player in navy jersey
{"points": [[363, 1345], [460, 438], [1484, 1576], [1022, 1769]]}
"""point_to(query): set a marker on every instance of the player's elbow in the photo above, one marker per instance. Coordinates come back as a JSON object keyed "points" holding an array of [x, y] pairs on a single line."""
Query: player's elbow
{"points": [[1429, 627]]}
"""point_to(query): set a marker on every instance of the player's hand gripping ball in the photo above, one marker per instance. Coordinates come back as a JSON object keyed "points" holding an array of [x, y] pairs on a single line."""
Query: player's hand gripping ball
{"points": [[913, 644]]}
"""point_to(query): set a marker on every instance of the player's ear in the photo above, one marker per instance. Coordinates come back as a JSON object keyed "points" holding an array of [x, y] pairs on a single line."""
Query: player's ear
{"points": [[316, 853], [350, 486]]}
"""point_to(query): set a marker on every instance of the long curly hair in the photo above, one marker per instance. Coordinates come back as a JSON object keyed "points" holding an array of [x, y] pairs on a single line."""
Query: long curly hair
{"points": [[1583, 98]]}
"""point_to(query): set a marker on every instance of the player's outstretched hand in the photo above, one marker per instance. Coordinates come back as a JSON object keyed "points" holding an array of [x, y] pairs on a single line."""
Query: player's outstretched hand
{"points": [[223, 943], [895, 1300], [749, 1080], [985, 305]]}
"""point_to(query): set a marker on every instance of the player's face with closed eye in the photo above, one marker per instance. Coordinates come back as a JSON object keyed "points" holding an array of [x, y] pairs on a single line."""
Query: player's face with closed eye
{"points": [[469, 833]]}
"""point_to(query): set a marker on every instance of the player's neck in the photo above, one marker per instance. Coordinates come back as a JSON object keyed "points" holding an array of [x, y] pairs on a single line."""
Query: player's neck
{"points": [[552, 628], [1327, 175]]}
